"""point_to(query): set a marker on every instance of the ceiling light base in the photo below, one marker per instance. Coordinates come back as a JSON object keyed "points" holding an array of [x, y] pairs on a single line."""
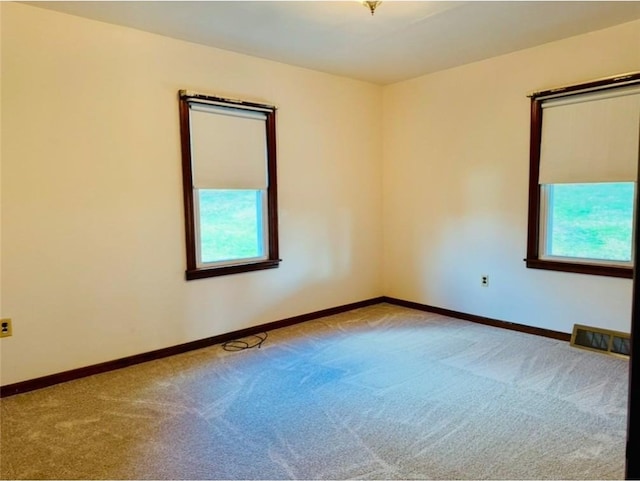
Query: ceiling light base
{"points": [[371, 5]]}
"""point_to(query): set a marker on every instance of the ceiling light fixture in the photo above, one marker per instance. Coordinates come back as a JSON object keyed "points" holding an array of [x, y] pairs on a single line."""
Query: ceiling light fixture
{"points": [[371, 5]]}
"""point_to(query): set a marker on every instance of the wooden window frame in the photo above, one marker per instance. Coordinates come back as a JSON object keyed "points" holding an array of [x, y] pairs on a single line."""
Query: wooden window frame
{"points": [[272, 261], [533, 259]]}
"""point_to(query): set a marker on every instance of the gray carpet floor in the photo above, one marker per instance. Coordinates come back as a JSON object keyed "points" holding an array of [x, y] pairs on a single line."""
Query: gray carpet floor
{"points": [[381, 392]]}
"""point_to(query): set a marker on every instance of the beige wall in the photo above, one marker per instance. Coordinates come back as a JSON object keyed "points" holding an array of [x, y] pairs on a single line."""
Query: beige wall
{"points": [[92, 226], [93, 234], [455, 176]]}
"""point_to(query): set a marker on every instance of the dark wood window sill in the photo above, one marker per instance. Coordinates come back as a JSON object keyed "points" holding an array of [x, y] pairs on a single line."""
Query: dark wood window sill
{"points": [[205, 272], [578, 268]]}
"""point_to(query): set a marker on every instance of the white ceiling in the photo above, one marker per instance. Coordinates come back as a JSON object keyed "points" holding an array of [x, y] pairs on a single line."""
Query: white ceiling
{"points": [[404, 39]]}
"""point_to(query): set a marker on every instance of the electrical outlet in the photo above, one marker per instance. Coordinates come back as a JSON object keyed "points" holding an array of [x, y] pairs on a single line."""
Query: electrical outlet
{"points": [[6, 329], [484, 281]]}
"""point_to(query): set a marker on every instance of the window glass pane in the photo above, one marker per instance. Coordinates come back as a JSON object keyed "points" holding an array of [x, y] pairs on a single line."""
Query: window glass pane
{"points": [[590, 221], [231, 225]]}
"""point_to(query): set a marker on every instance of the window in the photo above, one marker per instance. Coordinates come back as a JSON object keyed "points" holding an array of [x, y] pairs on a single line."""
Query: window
{"points": [[583, 173], [229, 181], [588, 222]]}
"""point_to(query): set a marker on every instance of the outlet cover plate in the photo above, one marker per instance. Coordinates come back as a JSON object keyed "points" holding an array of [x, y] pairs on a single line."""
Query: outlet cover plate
{"points": [[6, 328]]}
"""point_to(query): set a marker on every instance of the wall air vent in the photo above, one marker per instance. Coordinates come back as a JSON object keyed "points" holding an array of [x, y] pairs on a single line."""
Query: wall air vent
{"points": [[601, 340]]}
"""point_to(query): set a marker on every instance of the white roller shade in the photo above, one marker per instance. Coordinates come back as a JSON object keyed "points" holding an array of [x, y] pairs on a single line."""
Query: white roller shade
{"points": [[228, 147], [591, 137]]}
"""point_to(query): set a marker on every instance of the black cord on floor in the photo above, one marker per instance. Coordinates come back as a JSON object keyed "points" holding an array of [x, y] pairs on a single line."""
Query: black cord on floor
{"points": [[238, 345]]}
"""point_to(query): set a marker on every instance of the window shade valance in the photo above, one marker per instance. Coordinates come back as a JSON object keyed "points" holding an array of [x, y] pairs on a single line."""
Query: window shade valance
{"points": [[228, 147], [591, 137]]}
